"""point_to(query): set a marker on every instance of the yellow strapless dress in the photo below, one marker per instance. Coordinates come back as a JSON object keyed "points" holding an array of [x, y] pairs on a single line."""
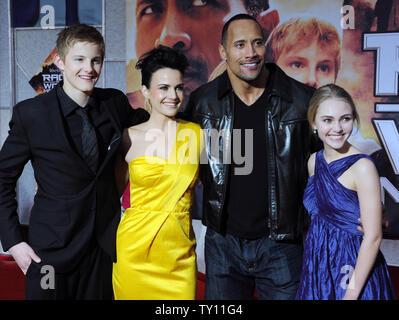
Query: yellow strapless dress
{"points": [[155, 240]]}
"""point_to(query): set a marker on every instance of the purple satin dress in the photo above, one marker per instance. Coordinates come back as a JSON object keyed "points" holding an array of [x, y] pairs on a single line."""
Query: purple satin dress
{"points": [[333, 241]]}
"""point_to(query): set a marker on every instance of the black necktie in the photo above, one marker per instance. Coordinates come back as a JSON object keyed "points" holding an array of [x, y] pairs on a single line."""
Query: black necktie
{"points": [[89, 140]]}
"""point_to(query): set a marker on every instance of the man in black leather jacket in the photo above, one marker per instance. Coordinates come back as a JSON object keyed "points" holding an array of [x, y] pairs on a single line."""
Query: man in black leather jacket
{"points": [[254, 217]]}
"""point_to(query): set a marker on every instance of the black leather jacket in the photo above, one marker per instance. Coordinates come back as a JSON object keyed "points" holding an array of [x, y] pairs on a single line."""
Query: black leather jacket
{"points": [[290, 141]]}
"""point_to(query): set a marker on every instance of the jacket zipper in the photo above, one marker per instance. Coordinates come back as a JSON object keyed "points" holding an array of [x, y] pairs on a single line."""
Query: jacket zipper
{"points": [[227, 168], [271, 174]]}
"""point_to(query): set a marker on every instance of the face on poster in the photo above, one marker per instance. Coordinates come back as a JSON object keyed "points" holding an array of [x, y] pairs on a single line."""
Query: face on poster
{"points": [[195, 26]]}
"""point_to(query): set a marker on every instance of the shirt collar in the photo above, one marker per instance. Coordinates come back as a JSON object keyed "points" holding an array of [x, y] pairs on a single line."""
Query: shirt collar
{"points": [[277, 83], [68, 106]]}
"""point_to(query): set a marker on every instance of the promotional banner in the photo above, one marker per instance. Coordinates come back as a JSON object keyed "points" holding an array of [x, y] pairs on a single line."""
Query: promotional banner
{"points": [[47, 77], [352, 43]]}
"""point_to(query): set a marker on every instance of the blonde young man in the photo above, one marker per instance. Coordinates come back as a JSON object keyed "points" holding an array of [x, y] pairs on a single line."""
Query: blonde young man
{"points": [[70, 135]]}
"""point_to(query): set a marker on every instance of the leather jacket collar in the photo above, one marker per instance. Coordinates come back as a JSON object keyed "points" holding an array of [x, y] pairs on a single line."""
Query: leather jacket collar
{"points": [[278, 85]]}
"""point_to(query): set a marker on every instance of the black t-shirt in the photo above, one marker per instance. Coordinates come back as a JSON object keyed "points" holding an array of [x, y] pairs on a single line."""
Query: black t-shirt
{"points": [[246, 199]]}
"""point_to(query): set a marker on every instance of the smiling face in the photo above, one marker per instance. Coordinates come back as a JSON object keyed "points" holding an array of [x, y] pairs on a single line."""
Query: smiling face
{"points": [[334, 123], [81, 69], [165, 92], [244, 50], [312, 65]]}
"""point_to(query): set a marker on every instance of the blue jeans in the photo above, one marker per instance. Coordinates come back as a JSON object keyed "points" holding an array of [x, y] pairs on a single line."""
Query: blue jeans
{"points": [[235, 267]]}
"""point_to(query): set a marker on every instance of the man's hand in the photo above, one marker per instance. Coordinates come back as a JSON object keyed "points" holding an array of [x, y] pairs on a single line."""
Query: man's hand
{"points": [[23, 254]]}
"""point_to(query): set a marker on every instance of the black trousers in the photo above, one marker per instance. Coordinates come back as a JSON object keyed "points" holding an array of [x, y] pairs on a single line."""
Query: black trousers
{"points": [[92, 280]]}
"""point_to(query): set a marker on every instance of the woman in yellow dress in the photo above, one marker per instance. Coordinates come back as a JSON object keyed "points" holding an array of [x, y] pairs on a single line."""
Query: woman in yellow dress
{"points": [[155, 239]]}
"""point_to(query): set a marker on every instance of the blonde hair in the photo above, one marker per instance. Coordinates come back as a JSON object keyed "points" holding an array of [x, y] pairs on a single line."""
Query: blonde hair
{"points": [[302, 32], [330, 91], [78, 32]]}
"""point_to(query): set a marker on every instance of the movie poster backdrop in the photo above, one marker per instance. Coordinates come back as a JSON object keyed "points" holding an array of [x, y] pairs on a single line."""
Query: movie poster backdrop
{"points": [[360, 54]]}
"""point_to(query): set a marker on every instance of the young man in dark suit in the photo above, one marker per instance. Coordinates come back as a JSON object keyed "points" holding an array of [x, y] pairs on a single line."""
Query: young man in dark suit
{"points": [[71, 136]]}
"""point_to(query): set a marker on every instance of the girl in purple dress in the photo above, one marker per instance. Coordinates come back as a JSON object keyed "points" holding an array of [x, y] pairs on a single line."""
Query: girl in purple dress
{"points": [[340, 262]]}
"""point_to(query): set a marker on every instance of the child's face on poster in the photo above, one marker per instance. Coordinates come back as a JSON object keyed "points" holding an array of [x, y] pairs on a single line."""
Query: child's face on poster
{"points": [[312, 64]]}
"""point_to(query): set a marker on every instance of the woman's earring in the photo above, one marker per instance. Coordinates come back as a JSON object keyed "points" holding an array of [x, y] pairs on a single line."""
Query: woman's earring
{"points": [[147, 105], [315, 131]]}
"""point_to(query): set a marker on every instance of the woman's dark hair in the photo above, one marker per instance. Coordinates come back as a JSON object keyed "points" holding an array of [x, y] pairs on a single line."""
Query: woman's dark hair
{"points": [[159, 58]]}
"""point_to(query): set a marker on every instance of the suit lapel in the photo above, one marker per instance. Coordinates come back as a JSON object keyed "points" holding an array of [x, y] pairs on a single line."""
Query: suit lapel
{"points": [[58, 127], [116, 137]]}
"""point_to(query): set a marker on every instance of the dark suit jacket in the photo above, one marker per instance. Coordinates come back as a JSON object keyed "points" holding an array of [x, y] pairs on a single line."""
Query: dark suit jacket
{"points": [[73, 207]]}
